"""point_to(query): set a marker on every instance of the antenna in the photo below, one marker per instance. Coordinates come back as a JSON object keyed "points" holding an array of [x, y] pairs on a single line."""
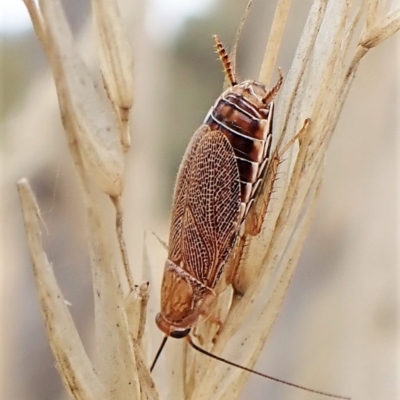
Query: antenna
{"points": [[272, 93], [205, 352], [238, 33], [189, 339], [158, 353]]}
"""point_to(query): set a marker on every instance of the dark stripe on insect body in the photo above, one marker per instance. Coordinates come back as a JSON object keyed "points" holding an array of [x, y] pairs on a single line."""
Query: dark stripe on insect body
{"points": [[248, 128], [241, 109], [240, 114]]}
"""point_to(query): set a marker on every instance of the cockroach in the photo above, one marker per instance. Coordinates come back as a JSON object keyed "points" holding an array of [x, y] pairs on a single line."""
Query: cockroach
{"points": [[217, 182], [215, 189]]}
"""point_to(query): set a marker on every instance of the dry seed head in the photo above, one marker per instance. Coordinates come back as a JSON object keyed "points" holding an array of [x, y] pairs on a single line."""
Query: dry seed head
{"points": [[116, 61], [87, 118]]}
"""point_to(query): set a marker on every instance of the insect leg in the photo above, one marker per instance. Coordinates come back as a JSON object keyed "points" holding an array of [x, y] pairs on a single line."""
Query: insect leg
{"points": [[162, 242], [255, 218]]}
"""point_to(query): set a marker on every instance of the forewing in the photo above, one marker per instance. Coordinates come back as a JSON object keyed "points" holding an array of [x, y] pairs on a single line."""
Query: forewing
{"points": [[180, 197], [206, 206]]}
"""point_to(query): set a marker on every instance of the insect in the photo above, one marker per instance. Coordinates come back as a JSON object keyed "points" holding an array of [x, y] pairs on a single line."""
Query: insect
{"points": [[219, 176], [215, 189]]}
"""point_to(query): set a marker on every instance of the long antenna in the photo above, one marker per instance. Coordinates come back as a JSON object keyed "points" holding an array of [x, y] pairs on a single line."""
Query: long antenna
{"points": [[272, 93], [261, 374], [238, 33], [158, 353]]}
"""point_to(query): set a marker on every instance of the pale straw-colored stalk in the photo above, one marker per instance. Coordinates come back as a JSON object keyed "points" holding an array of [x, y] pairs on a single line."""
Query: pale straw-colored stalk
{"points": [[96, 137], [96, 126]]}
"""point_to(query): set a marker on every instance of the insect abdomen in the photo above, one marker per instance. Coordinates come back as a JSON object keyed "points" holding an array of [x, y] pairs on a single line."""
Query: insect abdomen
{"points": [[245, 120]]}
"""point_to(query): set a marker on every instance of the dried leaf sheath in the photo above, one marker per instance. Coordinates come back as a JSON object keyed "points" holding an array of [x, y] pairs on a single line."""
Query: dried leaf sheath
{"points": [[204, 224]]}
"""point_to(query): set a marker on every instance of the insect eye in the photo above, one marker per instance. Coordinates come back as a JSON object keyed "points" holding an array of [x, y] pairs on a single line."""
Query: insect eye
{"points": [[179, 334]]}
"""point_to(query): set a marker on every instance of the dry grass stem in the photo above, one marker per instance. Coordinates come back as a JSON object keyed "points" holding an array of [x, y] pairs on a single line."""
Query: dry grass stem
{"points": [[94, 142], [119, 222], [90, 116], [75, 368], [96, 119], [274, 41]]}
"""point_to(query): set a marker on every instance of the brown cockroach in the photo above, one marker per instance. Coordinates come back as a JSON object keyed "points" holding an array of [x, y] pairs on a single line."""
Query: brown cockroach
{"points": [[215, 188], [219, 176]]}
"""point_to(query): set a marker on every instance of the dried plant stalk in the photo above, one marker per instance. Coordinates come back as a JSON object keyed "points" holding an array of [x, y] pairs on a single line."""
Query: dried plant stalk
{"points": [[119, 371], [73, 363], [315, 87], [274, 40]]}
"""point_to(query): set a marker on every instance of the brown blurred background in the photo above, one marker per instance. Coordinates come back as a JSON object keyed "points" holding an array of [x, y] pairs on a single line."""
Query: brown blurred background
{"points": [[338, 328]]}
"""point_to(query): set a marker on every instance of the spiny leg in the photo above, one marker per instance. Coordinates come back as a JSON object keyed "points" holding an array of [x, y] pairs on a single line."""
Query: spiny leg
{"points": [[255, 219], [256, 216], [215, 321], [163, 244], [299, 136], [232, 268], [212, 319], [226, 61]]}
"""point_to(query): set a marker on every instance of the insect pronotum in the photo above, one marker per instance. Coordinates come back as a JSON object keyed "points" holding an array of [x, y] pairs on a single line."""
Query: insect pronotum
{"points": [[217, 181]]}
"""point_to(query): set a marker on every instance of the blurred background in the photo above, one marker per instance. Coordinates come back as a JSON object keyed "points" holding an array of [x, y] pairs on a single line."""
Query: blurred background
{"points": [[338, 328]]}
